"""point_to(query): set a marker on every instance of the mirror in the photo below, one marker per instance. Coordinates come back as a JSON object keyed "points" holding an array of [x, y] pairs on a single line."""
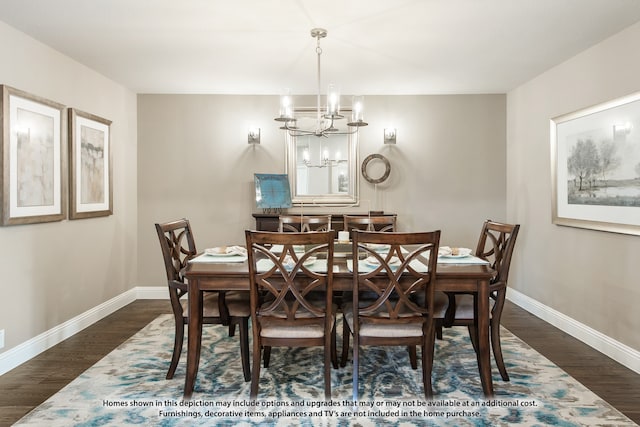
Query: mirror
{"points": [[322, 170]]}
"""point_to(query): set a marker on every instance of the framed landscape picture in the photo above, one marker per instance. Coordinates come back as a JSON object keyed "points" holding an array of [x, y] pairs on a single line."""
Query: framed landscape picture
{"points": [[33, 158], [90, 171], [595, 166]]}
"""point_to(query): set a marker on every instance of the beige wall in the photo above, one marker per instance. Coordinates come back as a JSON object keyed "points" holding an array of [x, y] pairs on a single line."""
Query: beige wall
{"points": [[589, 276], [52, 272], [447, 169]]}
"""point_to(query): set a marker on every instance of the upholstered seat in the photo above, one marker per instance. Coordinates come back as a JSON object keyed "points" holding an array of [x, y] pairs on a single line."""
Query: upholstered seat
{"points": [[274, 329], [384, 330], [237, 304]]}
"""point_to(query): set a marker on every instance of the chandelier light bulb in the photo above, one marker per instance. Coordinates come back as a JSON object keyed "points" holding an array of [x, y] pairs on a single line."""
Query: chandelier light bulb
{"points": [[333, 101], [358, 108], [286, 106]]}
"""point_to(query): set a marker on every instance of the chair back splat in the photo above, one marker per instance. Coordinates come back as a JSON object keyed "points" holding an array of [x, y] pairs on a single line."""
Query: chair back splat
{"points": [[304, 223], [496, 244], [369, 223]]}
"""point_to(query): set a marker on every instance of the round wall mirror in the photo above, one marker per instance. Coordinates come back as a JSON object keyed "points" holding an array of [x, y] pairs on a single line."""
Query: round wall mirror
{"points": [[376, 168]]}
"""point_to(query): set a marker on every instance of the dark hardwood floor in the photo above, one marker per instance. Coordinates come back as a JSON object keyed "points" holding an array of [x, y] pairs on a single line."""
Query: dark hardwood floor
{"points": [[30, 384]]}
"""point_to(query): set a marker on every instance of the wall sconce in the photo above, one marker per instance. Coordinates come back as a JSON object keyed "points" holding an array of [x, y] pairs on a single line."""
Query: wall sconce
{"points": [[621, 129], [253, 136], [389, 135]]}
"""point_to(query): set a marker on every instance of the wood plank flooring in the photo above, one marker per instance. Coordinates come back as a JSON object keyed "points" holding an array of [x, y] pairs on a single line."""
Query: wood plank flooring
{"points": [[30, 384]]}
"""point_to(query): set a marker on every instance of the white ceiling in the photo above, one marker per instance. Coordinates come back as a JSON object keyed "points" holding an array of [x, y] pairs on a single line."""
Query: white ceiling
{"points": [[373, 46]]}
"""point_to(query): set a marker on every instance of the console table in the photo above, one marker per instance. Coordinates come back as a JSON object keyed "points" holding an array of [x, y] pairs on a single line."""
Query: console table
{"points": [[269, 222]]}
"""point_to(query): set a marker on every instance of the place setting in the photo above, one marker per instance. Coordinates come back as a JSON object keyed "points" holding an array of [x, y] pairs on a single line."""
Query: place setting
{"points": [[312, 263], [372, 262], [222, 254], [458, 255]]}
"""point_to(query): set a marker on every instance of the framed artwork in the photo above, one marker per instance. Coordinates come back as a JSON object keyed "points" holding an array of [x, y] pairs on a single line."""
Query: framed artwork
{"points": [[272, 191], [90, 170], [33, 158], [595, 167]]}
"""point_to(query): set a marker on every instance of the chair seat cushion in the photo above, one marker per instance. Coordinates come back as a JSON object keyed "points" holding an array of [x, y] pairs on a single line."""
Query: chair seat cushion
{"points": [[237, 303], [284, 331], [464, 306], [276, 329], [383, 329], [273, 327], [441, 303]]}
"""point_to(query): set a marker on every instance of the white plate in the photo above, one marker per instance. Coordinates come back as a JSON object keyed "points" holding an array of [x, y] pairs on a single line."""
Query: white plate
{"points": [[373, 261], [447, 252], [222, 251], [377, 247], [309, 261], [277, 249], [289, 263]]}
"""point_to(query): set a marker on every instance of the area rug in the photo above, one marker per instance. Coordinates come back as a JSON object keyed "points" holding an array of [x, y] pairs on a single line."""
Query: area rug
{"points": [[128, 387]]}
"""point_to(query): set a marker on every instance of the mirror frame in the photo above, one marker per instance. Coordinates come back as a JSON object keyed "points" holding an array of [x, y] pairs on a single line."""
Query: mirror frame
{"points": [[351, 197]]}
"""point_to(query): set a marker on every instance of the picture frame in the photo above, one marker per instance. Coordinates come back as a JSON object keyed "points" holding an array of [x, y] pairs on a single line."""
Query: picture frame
{"points": [[595, 167], [90, 166], [273, 193], [33, 158]]}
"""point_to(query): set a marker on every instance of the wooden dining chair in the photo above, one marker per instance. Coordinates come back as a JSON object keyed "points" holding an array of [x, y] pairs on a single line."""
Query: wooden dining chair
{"points": [[403, 280], [281, 312], [304, 223], [219, 307], [496, 243], [369, 223]]}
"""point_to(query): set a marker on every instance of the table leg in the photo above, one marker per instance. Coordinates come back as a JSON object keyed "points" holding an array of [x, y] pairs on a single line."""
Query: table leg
{"points": [[194, 336], [484, 347]]}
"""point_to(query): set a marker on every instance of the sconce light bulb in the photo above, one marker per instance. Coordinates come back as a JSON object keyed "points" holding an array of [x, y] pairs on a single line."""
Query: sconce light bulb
{"points": [[389, 135]]}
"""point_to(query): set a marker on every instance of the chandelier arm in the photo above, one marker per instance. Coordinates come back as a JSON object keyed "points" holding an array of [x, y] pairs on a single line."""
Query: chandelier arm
{"points": [[300, 132], [326, 133]]}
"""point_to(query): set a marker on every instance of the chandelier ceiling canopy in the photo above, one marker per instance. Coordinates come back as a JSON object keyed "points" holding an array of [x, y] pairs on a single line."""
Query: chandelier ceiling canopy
{"points": [[325, 120]]}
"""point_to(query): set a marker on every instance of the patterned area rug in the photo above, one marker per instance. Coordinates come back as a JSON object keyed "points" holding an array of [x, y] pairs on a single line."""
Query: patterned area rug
{"points": [[128, 387]]}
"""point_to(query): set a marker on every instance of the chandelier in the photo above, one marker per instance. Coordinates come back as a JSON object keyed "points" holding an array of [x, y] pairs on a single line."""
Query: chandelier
{"points": [[324, 120]]}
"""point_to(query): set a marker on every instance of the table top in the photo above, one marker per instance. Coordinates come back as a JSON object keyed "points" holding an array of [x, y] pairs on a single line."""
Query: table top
{"points": [[235, 275]]}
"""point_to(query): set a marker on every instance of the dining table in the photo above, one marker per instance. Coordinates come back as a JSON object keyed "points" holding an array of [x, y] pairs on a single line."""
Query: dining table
{"points": [[452, 276]]}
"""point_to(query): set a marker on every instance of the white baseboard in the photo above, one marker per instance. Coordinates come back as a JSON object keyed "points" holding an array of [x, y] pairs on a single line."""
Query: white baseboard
{"points": [[36, 345], [152, 292], [619, 352]]}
